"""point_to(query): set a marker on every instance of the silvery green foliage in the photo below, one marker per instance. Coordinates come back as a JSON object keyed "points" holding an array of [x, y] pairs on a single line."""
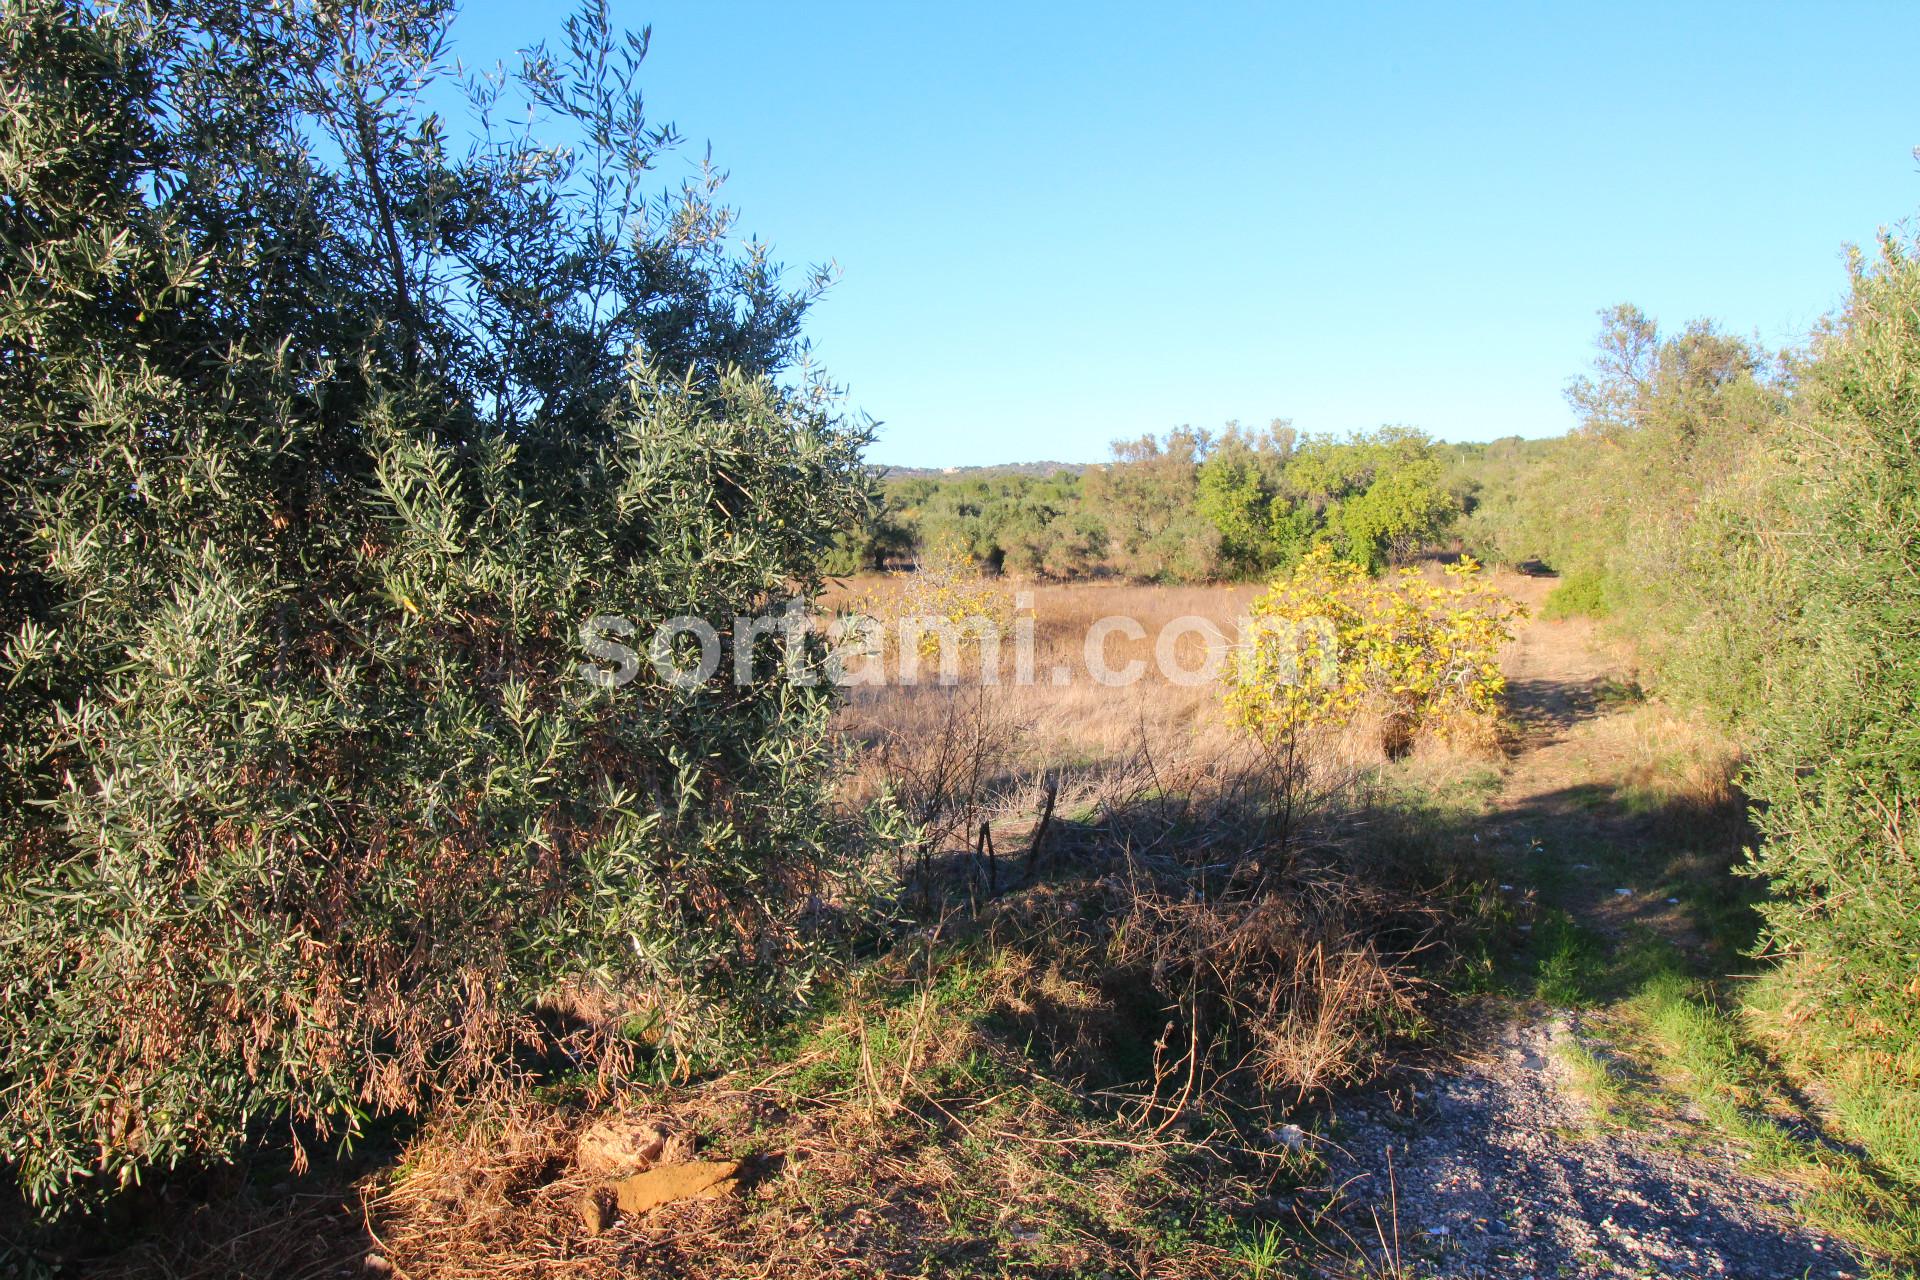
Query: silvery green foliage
{"points": [[323, 433], [1836, 755]]}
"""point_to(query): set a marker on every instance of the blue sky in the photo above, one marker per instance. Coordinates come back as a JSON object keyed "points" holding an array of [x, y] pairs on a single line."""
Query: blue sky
{"points": [[1058, 225]]}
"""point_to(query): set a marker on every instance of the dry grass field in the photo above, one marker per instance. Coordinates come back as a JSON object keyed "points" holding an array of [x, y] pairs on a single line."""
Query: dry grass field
{"points": [[993, 750], [1001, 743]]}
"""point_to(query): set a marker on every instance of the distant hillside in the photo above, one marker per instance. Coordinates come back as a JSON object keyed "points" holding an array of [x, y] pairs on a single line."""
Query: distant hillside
{"points": [[1041, 469]]}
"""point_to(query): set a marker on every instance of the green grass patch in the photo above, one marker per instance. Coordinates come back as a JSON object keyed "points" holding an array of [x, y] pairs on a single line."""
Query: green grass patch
{"points": [[1570, 961], [1577, 967], [1872, 1091], [1743, 1096], [1592, 1079], [1583, 593]]}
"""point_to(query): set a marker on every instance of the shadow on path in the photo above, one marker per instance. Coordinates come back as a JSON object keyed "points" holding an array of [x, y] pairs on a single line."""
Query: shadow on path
{"points": [[1495, 1174]]}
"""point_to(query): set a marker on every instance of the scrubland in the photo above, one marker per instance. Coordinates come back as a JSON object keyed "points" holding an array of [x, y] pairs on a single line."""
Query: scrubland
{"points": [[347, 910], [1131, 959], [1141, 985]]}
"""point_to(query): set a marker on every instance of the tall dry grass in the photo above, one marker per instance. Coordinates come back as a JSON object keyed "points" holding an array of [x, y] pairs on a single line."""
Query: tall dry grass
{"points": [[1266, 894], [957, 755], [1075, 721]]}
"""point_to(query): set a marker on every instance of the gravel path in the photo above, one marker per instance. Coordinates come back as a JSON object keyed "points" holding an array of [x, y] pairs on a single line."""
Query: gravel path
{"points": [[1498, 1172], [1495, 1167]]}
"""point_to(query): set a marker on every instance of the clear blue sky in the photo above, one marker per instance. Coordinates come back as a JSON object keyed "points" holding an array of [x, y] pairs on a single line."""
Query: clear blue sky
{"points": [[1061, 224]]}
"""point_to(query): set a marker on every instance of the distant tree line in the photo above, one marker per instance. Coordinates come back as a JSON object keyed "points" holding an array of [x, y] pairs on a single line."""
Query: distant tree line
{"points": [[1189, 506]]}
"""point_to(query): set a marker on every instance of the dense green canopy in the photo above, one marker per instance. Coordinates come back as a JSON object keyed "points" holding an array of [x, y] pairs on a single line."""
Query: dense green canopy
{"points": [[323, 430]]}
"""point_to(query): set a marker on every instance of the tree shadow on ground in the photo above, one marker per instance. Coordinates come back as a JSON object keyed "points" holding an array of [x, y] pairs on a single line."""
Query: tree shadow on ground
{"points": [[1551, 707], [256, 1218]]}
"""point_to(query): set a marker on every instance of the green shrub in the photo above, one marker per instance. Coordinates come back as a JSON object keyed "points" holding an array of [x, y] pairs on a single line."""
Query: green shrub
{"points": [[1404, 507], [320, 439], [1580, 594], [1837, 763], [1148, 500], [1663, 511]]}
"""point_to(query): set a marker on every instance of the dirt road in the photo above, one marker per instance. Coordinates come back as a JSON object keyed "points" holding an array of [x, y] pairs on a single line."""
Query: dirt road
{"points": [[1493, 1165]]}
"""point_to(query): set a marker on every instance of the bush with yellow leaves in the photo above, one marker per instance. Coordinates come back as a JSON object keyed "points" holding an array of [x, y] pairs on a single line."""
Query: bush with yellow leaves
{"points": [[949, 600], [1331, 643], [948, 610]]}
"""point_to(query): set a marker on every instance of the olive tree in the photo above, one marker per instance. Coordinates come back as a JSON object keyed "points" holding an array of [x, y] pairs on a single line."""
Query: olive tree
{"points": [[323, 430]]}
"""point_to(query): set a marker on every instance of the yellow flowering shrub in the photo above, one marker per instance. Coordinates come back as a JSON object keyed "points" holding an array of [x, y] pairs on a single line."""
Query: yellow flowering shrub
{"points": [[1331, 643], [948, 587], [947, 601]]}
